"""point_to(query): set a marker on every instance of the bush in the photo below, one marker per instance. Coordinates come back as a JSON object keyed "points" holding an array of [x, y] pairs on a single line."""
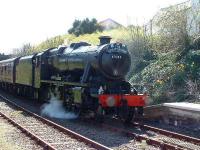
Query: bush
{"points": [[139, 66], [180, 95], [178, 79], [49, 43], [193, 64], [160, 97]]}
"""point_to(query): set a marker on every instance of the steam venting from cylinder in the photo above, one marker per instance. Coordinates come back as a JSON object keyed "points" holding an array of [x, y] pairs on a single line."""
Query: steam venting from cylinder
{"points": [[54, 109], [104, 40]]}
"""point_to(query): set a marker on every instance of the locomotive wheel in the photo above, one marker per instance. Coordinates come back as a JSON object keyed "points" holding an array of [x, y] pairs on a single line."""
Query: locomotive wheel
{"points": [[76, 110], [35, 94], [140, 113], [126, 112], [44, 94], [99, 114], [129, 116]]}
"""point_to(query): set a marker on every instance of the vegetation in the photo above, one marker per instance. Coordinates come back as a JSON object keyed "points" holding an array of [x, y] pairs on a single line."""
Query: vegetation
{"points": [[166, 63], [3, 56], [85, 26], [172, 30], [26, 49]]}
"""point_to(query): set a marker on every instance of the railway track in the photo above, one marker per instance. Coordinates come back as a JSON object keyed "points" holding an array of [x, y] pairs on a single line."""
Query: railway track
{"points": [[163, 139], [46, 133], [168, 133], [159, 138], [11, 137]]}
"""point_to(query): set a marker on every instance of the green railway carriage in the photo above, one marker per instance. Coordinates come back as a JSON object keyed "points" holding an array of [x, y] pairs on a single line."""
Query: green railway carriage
{"points": [[7, 70], [30, 70], [21, 75], [24, 71]]}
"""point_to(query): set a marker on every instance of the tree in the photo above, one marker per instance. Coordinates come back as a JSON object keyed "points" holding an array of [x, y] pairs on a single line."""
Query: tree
{"points": [[49, 43], [3, 56], [140, 51], [85, 26], [26, 49], [172, 30]]}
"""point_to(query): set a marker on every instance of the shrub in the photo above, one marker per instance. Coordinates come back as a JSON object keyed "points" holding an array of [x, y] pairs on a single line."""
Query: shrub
{"points": [[178, 79], [193, 64]]}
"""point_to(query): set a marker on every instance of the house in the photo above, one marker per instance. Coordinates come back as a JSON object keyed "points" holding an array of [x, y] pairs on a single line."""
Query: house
{"points": [[193, 18], [192, 9], [109, 24]]}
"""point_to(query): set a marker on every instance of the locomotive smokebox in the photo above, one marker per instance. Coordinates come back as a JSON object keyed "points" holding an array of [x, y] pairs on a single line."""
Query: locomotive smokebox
{"points": [[104, 40]]}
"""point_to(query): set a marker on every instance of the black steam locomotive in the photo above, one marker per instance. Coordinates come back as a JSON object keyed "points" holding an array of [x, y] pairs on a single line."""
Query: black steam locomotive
{"points": [[86, 78]]}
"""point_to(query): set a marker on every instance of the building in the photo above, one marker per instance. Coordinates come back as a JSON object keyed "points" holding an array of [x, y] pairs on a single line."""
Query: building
{"points": [[109, 24], [193, 18], [192, 10]]}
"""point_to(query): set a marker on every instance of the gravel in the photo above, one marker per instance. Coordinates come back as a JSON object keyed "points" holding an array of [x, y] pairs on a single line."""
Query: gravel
{"points": [[103, 136], [13, 138], [43, 131], [165, 139], [108, 138], [189, 131]]}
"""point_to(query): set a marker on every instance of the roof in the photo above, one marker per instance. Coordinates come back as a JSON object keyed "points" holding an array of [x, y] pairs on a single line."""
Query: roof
{"points": [[109, 24], [8, 60]]}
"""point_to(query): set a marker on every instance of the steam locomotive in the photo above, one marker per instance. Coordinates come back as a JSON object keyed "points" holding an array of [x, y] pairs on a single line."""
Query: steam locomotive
{"points": [[86, 78]]}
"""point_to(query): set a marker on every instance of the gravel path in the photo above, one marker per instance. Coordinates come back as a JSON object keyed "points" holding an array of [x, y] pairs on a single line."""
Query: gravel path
{"points": [[53, 136], [12, 138]]}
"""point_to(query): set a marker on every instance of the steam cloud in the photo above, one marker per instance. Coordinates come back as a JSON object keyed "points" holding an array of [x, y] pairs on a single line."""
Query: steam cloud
{"points": [[55, 109]]}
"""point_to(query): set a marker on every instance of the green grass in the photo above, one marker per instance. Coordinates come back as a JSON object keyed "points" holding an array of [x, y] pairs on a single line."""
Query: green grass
{"points": [[120, 34], [116, 34]]}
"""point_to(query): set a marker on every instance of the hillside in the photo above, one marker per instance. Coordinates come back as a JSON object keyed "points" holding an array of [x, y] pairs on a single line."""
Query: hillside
{"points": [[171, 75]]}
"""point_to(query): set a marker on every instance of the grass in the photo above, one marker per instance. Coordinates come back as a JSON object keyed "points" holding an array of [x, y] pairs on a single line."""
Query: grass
{"points": [[120, 34], [116, 34]]}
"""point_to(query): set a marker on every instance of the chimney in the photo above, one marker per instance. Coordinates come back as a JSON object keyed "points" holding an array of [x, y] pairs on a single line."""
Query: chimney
{"points": [[104, 40]]}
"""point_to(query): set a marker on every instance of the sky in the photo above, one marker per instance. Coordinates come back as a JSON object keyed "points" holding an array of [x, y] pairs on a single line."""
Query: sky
{"points": [[32, 21]]}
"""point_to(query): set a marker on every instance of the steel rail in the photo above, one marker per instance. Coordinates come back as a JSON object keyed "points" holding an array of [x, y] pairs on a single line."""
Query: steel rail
{"points": [[39, 141], [149, 141], [71, 133], [168, 133]]}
